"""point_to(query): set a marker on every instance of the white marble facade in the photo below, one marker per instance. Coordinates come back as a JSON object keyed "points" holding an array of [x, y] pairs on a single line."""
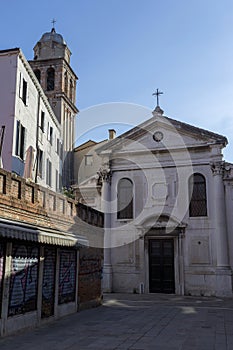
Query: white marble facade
{"points": [[161, 243]]}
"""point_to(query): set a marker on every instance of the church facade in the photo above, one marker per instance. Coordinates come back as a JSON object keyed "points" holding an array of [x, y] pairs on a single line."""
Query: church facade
{"points": [[167, 195]]}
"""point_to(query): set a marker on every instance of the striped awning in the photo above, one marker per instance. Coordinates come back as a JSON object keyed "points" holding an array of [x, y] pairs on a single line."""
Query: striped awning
{"points": [[15, 230]]}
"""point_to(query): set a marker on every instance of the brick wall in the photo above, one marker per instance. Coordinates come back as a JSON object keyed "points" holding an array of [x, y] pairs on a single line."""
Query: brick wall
{"points": [[40, 206], [90, 277], [25, 202]]}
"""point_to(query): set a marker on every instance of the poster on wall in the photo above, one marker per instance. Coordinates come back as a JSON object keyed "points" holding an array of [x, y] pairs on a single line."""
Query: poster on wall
{"points": [[23, 279]]}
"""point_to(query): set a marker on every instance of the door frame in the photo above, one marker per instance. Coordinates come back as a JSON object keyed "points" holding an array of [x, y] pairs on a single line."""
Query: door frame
{"points": [[178, 259]]}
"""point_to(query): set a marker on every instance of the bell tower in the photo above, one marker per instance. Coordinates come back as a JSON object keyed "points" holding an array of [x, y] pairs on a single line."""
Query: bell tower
{"points": [[51, 65]]}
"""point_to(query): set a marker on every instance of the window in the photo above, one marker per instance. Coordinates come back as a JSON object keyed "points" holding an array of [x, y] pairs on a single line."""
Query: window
{"points": [[24, 94], [57, 181], [50, 79], [42, 121], [61, 151], [197, 195], [37, 74], [40, 163], [60, 182], [48, 173], [66, 83], [88, 159], [58, 146], [71, 89], [20, 79], [20, 140], [125, 199], [51, 135]]}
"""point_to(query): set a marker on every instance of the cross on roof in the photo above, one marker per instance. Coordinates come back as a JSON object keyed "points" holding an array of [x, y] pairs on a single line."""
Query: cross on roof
{"points": [[53, 22], [157, 94]]}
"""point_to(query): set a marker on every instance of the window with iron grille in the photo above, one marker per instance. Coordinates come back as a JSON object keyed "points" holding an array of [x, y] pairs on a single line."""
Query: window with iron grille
{"points": [[197, 195], [125, 199]]}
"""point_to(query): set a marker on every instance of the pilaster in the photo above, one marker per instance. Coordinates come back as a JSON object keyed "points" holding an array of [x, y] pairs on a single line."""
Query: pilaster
{"points": [[105, 180], [223, 271]]}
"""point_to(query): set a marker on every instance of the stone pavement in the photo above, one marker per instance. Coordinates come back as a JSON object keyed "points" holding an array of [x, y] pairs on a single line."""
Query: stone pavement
{"points": [[136, 322]]}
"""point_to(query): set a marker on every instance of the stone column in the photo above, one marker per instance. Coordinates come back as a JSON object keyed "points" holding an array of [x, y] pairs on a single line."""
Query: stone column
{"points": [[223, 273], [105, 176]]}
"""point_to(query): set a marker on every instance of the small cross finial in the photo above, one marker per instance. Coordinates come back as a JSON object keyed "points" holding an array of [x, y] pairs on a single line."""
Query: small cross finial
{"points": [[53, 22], [157, 94]]}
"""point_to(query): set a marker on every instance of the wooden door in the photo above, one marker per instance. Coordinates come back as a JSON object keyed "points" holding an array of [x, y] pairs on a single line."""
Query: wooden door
{"points": [[161, 266]]}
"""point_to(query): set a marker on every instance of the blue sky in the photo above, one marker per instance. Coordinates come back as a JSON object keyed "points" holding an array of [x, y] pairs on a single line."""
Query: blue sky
{"points": [[122, 50]]}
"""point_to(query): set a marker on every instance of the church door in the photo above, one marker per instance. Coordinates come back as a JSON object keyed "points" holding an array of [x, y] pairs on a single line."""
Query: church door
{"points": [[161, 266]]}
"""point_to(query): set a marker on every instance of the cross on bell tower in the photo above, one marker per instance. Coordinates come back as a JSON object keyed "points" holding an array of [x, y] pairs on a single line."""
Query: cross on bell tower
{"points": [[53, 23]]}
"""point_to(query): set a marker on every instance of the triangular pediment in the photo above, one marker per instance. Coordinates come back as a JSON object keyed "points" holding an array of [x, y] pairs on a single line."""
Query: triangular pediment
{"points": [[160, 132]]}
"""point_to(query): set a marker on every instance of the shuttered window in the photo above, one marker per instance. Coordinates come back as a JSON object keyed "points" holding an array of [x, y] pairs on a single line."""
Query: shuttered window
{"points": [[48, 172], [23, 279], [67, 276], [20, 140], [48, 288]]}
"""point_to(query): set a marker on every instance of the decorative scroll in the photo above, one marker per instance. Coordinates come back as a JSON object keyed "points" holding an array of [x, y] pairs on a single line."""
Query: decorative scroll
{"points": [[23, 279], [48, 288], [104, 175], [218, 168], [67, 276]]}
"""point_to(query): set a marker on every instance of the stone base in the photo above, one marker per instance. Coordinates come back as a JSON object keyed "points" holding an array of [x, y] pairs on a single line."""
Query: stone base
{"points": [[223, 282], [107, 279]]}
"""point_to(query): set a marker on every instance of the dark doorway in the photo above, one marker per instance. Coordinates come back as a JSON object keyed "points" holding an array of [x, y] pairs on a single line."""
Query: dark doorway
{"points": [[161, 266]]}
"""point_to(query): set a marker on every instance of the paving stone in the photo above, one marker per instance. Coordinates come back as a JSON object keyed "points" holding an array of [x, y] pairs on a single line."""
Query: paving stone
{"points": [[136, 322]]}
